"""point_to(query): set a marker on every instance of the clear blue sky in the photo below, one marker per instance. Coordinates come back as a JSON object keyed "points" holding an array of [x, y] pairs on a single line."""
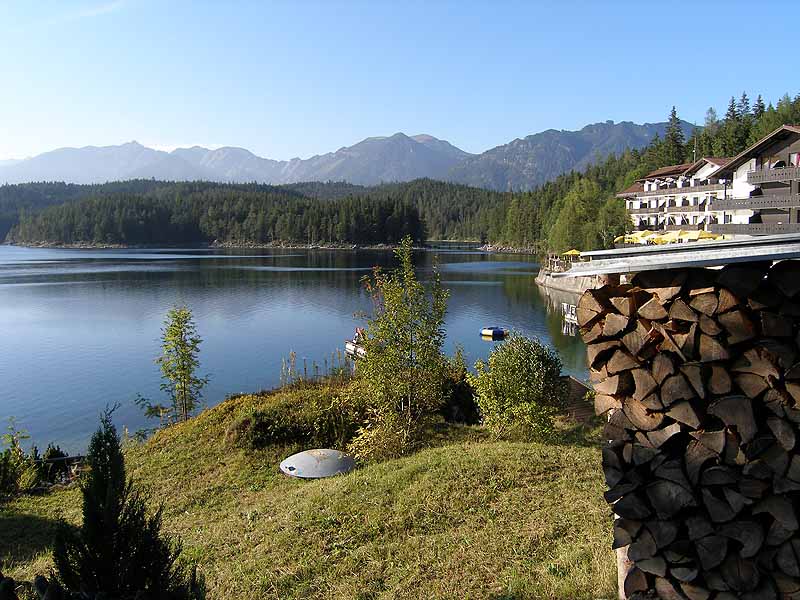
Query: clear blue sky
{"points": [[290, 79]]}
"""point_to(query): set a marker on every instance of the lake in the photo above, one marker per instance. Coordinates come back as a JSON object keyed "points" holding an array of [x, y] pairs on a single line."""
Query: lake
{"points": [[81, 328]]}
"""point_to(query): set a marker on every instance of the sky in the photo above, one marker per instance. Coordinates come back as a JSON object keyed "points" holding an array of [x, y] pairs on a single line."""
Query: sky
{"points": [[295, 79]]}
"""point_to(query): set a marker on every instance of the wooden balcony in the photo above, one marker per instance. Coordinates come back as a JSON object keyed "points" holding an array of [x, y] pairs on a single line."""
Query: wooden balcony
{"points": [[685, 227], [758, 202], [676, 191], [767, 175], [686, 209], [646, 210], [755, 228]]}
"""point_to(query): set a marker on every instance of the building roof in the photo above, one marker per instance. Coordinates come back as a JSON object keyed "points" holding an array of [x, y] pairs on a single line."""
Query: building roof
{"points": [[667, 171], [718, 160], [713, 160], [781, 132], [631, 190]]}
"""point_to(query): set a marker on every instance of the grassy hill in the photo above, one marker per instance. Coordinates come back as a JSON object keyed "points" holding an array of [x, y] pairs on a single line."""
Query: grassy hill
{"points": [[466, 517]]}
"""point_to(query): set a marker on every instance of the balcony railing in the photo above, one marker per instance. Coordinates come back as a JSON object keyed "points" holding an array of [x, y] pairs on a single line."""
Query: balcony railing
{"points": [[684, 226], [686, 209], [668, 209], [758, 202], [697, 189], [755, 228], [767, 175]]}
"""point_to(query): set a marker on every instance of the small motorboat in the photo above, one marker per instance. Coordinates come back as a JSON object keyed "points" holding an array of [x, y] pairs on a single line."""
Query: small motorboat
{"points": [[354, 347], [495, 333]]}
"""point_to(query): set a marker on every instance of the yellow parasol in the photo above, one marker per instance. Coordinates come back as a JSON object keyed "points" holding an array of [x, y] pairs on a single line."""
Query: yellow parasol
{"points": [[673, 236], [690, 236], [572, 252]]}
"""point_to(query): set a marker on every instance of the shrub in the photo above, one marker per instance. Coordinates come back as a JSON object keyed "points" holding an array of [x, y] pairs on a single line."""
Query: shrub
{"points": [[56, 470], [520, 387], [403, 373], [459, 405], [119, 551], [18, 470], [319, 415]]}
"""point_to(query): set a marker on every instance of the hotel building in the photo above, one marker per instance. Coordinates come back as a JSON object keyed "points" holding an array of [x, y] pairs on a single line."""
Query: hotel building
{"points": [[753, 193]]}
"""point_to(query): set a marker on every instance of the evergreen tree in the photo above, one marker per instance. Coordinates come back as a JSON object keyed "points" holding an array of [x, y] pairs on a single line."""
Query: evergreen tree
{"points": [[711, 121], [727, 141], [759, 108], [119, 551], [672, 150]]}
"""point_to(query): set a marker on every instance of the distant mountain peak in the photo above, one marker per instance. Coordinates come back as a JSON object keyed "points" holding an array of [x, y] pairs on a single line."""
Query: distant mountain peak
{"points": [[521, 164]]}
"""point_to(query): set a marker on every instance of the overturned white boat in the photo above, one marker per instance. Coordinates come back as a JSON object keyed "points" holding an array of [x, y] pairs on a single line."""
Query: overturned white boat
{"points": [[317, 463]]}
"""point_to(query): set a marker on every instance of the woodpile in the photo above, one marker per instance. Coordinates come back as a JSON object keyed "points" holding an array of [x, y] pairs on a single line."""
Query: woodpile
{"points": [[698, 371]]}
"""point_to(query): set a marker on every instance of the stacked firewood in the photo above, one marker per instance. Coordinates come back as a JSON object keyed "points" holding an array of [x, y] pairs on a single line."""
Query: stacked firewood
{"points": [[698, 371]]}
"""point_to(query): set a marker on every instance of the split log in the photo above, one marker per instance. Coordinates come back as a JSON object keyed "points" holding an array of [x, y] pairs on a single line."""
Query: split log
{"points": [[684, 413], [598, 352], [727, 301], [637, 339], [641, 418], [736, 411], [738, 325], [711, 349], [706, 303], [604, 403], [680, 311], [752, 385], [660, 437], [708, 326], [644, 383], [625, 305], [615, 324], [592, 334], [621, 361], [719, 382], [675, 388], [693, 372], [652, 310], [663, 367]]}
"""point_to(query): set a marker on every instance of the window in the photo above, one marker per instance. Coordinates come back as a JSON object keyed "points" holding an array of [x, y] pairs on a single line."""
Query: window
{"points": [[794, 159]]}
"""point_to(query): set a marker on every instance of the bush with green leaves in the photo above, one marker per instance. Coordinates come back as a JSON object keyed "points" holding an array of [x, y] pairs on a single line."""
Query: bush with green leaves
{"points": [[404, 371], [460, 405], [18, 469], [520, 387], [321, 414], [119, 550]]}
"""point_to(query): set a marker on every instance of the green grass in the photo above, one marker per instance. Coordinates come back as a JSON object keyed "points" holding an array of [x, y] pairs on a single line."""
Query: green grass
{"points": [[467, 517]]}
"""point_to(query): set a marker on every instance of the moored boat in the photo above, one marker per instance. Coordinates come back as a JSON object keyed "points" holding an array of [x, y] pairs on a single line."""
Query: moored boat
{"points": [[495, 333]]}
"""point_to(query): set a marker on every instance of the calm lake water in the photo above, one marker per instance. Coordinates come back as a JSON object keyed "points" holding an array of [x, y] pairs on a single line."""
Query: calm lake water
{"points": [[81, 328]]}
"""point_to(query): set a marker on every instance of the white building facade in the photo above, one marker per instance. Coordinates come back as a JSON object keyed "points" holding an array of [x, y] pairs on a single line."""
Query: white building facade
{"points": [[753, 193]]}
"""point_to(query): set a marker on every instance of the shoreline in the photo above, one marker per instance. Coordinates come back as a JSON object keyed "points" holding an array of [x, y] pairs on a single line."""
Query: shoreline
{"points": [[490, 248]]}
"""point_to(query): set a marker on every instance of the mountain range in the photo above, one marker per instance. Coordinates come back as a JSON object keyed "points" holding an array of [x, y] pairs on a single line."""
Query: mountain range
{"points": [[521, 164]]}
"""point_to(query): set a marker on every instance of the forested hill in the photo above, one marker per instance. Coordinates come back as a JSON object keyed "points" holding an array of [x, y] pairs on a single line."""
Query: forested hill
{"points": [[146, 212], [575, 210]]}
